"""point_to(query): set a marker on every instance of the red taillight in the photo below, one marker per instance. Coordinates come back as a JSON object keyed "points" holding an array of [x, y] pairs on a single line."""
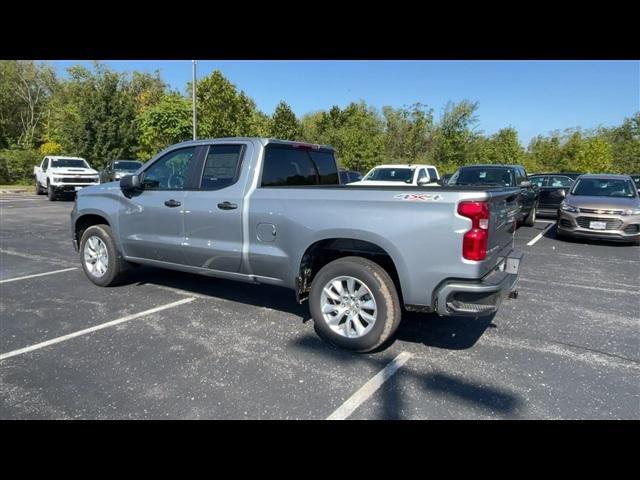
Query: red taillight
{"points": [[474, 243]]}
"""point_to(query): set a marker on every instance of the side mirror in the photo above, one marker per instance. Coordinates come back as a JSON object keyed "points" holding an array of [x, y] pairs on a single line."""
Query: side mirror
{"points": [[130, 184], [525, 184], [423, 181]]}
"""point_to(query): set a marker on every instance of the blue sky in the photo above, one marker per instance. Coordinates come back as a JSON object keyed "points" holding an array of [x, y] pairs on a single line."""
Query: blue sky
{"points": [[535, 97]]}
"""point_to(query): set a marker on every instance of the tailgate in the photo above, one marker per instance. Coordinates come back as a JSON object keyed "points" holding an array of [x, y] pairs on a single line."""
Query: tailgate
{"points": [[504, 210]]}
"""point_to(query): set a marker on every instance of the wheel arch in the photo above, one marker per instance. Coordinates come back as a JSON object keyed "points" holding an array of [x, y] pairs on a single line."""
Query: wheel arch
{"points": [[87, 220], [329, 248]]}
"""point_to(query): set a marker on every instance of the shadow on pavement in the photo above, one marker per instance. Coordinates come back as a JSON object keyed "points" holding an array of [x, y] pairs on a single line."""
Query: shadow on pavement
{"points": [[277, 298], [453, 333], [437, 385]]}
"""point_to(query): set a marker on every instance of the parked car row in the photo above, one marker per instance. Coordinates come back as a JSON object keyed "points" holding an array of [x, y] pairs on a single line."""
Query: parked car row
{"points": [[59, 175], [586, 206]]}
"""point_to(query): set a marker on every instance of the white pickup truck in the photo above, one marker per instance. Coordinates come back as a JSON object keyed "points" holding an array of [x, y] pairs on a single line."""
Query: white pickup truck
{"points": [[59, 175], [396, 175]]}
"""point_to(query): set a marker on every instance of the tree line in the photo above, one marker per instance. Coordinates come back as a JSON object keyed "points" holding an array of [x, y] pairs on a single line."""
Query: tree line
{"points": [[101, 115]]}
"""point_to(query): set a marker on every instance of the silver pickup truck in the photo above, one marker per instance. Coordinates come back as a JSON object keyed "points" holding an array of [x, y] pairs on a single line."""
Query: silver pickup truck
{"points": [[270, 211]]}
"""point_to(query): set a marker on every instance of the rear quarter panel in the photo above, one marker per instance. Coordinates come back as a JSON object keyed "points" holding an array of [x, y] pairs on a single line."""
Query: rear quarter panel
{"points": [[423, 237]]}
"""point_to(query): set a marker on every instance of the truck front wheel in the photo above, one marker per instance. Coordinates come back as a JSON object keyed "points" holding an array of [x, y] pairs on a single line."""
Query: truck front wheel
{"points": [[101, 261], [354, 304], [530, 220], [51, 193], [39, 189]]}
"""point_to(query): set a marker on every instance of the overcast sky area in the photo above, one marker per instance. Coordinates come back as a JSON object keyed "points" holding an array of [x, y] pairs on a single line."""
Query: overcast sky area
{"points": [[535, 97]]}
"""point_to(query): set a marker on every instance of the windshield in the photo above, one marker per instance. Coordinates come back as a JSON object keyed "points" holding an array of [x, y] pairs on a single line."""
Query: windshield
{"points": [[69, 163], [482, 176], [604, 187], [127, 165], [391, 174]]}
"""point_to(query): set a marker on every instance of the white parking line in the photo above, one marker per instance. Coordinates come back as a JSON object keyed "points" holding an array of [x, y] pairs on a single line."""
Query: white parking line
{"points": [[15, 279], [93, 329], [540, 235], [369, 388]]}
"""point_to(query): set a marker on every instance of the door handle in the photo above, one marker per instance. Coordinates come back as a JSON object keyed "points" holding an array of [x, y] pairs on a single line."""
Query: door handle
{"points": [[172, 203], [227, 206]]}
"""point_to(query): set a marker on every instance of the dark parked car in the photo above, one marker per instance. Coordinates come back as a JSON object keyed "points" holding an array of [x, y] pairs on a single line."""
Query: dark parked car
{"points": [[348, 176], [553, 190], [504, 176], [118, 169]]}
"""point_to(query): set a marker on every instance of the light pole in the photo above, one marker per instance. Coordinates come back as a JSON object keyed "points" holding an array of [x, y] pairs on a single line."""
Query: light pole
{"points": [[193, 97]]}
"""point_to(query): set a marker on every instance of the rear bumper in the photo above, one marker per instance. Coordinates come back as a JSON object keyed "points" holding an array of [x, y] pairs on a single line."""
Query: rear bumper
{"points": [[479, 297]]}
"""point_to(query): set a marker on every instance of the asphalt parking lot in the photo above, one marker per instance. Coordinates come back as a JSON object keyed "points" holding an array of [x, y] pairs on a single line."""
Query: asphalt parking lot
{"points": [[180, 346]]}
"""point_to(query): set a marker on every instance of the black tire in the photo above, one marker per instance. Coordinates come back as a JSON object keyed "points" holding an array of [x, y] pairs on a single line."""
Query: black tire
{"points": [[39, 190], [530, 219], [51, 193], [383, 290], [116, 265]]}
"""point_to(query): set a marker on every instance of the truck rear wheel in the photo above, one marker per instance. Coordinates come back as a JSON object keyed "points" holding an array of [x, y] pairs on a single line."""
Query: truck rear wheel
{"points": [[101, 261], [354, 304]]}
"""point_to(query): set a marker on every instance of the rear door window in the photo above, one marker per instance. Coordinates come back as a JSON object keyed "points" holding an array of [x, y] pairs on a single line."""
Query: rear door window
{"points": [[560, 182], [538, 181], [433, 175], [285, 167], [326, 165]]}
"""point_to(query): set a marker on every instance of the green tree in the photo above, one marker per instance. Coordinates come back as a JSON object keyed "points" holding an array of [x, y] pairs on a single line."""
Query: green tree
{"points": [[593, 156], [502, 147], [223, 111], [454, 135], [25, 89], [165, 123], [625, 145], [408, 132], [357, 134], [284, 124], [545, 153], [94, 115]]}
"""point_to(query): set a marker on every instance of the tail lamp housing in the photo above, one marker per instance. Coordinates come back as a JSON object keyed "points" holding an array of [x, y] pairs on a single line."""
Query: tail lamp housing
{"points": [[474, 242]]}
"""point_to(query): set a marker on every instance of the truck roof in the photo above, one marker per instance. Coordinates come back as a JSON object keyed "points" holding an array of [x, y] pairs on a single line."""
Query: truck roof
{"points": [[263, 140], [405, 165], [59, 157], [492, 165], [606, 176]]}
